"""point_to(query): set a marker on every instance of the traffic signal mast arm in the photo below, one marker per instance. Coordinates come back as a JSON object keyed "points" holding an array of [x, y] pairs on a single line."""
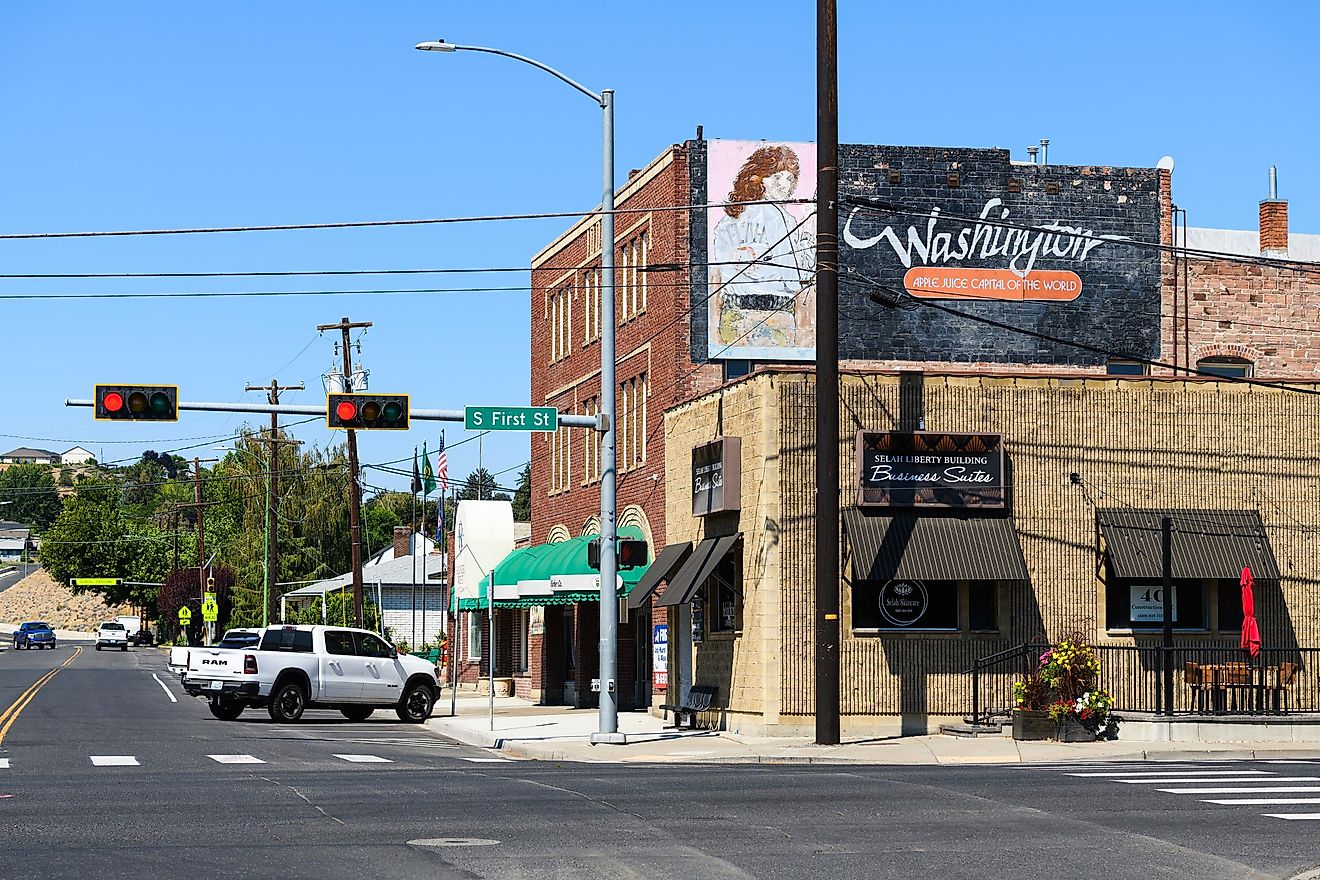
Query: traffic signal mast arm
{"points": [[566, 420]]}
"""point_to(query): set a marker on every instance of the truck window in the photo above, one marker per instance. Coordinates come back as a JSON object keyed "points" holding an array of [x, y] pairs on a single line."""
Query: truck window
{"points": [[296, 640], [338, 641], [370, 646]]}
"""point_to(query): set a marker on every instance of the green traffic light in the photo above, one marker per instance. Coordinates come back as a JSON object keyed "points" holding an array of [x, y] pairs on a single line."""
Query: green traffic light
{"points": [[160, 403], [393, 410]]}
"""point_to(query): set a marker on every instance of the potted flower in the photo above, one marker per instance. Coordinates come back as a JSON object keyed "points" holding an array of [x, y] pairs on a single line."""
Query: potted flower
{"points": [[1063, 689]]}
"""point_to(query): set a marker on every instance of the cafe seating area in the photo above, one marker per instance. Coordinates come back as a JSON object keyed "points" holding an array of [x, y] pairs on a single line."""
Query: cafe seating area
{"points": [[1240, 688]]}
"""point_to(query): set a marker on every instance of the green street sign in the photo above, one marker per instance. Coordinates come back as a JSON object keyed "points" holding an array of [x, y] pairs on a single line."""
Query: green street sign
{"points": [[185, 616], [96, 582], [511, 418]]}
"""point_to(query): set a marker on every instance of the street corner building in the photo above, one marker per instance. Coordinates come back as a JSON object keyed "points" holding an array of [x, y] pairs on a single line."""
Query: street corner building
{"points": [[1040, 364]]}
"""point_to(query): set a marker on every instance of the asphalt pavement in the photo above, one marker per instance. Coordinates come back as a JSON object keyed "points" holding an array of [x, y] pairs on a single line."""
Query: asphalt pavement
{"points": [[108, 769], [11, 576]]}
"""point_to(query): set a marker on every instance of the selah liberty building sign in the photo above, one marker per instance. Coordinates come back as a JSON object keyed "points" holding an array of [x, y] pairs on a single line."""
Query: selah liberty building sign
{"points": [[930, 469]]}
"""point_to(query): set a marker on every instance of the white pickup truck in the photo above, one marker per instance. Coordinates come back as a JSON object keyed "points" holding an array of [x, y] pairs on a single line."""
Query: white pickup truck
{"points": [[300, 667]]}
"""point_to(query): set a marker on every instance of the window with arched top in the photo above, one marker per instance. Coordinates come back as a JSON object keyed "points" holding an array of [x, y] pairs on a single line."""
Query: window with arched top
{"points": [[1228, 367]]}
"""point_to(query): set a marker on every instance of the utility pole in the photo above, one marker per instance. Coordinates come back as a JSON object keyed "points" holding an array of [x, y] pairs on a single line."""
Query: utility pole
{"points": [[354, 490], [827, 373], [201, 528], [272, 491]]}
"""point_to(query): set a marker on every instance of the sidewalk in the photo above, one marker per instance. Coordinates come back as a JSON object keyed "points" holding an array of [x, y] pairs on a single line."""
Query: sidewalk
{"points": [[558, 733]]}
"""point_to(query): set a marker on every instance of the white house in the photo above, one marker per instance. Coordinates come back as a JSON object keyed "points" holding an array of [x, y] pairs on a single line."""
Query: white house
{"points": [[76, 455]]}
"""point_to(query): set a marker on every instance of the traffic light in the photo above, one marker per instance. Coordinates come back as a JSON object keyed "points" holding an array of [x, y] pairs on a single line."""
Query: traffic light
{"points": [[387, 412], [140, 403], [629, 553]]}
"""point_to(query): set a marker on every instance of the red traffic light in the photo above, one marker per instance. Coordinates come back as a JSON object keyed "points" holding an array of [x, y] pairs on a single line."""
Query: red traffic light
{"points": [[145, 403], [367, 411]]}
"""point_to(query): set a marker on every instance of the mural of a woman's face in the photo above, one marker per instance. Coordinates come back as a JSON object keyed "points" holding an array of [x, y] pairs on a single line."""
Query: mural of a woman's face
{"points": [[780, 185]]}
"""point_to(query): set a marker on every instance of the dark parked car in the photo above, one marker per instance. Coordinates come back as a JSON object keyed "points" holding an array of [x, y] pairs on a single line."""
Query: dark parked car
{"points": [[142, 637], [34, 634]]}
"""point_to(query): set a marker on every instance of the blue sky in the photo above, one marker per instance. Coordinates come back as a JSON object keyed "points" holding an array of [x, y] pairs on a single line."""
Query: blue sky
{"points": [[163, 114]]}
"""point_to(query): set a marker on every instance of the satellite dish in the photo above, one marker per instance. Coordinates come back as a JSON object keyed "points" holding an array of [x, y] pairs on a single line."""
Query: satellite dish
{"points": [[1165, 164]]}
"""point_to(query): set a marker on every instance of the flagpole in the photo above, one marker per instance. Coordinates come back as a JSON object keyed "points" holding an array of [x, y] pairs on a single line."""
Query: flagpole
{"points": [[411, 526]]}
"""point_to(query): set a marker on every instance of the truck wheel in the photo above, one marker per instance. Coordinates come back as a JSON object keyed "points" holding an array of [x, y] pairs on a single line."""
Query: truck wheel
{"points": [[287, 703], [226, 709], [356, 713], [415, 704]]}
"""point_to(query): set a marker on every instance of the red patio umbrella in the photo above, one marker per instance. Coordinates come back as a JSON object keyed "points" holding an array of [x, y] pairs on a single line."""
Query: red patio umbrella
{"points": [[1250, 631]]}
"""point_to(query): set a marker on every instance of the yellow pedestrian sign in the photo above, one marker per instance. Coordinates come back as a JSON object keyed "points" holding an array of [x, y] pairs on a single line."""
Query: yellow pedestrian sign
{"points": [[185, 616], [210, 610]]}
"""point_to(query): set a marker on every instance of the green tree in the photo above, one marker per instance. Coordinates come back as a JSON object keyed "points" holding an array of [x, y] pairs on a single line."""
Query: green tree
{"points": [[522, 497], [31, 493], [480, 485]]}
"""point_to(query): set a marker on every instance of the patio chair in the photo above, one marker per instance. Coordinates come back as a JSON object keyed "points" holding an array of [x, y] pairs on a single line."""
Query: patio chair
{"points": [[1194, 676], [1287, 677]]}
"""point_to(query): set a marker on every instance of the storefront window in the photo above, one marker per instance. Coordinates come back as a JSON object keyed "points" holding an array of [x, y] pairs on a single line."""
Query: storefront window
{"points": [[724, 593], [925, 606], [1139, 605]]}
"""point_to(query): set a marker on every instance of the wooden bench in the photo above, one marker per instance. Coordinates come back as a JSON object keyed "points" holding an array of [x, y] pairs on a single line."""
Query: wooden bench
{"points": [[698, 699]]}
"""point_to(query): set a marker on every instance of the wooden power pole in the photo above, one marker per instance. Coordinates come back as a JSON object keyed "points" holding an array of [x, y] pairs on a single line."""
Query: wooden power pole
{"points": [[354, 489], [273, 442]]}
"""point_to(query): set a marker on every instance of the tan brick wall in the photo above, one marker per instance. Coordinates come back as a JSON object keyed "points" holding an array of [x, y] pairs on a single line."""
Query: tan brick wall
{"points": [[1140, 443]]}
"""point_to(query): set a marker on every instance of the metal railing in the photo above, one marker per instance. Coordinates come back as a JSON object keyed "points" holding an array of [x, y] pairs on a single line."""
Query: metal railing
{"points": [[1205, 680]]}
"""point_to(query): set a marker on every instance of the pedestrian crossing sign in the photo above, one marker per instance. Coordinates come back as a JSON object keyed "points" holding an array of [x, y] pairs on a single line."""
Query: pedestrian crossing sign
{"points": [[210, 610], [185, 616]]}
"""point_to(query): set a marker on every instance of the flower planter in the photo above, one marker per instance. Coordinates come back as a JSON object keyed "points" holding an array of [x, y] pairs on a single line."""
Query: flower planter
{"points": [[1033, 724], [1072, 730]]}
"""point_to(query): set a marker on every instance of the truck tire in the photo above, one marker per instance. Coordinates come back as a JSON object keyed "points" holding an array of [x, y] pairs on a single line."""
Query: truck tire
{"points": [[226, 709], [415, 704], [287, 702], [356, 713]]}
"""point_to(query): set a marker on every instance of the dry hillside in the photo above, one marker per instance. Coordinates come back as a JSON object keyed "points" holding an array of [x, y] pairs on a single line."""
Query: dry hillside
{"points": [[37, 597]]}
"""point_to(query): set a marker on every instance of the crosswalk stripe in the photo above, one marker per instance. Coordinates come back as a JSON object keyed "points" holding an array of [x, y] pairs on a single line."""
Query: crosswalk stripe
{"points": [[236, 759], [364, 759], [1179, 773], [1312, 816], [1263, 801], [1280, 789], [4, 763], [114, 761]]}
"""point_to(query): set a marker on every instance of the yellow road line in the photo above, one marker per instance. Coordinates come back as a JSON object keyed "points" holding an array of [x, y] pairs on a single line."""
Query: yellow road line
{"points": [[10, 715]]}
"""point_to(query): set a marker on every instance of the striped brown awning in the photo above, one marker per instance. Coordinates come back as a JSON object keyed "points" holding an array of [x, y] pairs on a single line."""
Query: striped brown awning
{"points": [[933, 547], [1205, 544]]}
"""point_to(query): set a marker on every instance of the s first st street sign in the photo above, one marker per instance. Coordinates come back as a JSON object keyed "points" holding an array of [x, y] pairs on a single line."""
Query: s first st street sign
{"points": [[511, 418]]}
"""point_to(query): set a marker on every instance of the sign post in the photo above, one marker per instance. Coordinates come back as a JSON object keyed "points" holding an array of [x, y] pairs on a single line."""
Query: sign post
{"points": [[185, 620], [511, 418]]}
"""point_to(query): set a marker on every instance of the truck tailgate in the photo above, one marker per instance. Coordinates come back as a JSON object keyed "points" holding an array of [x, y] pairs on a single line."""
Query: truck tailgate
{"points": [[215, 664]]}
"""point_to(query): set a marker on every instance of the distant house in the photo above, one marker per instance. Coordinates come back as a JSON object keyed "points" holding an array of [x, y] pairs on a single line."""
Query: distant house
{"points": [[24, 455], [76, 455], [401, 578], [15, 544]]}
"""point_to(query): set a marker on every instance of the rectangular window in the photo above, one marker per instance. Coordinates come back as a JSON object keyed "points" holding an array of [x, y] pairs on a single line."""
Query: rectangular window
{"points": [[644, 257], [724, 593], [1139, 605], [906, 605], [1118, 367], [591, 444], [621, 435], [520, 640], [983, 606], [474, 635], [623, 284]]}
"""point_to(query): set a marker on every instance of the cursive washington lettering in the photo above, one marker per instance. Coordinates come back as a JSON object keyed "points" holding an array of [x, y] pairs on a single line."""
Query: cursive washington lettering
{"points": [[1020, 247]]}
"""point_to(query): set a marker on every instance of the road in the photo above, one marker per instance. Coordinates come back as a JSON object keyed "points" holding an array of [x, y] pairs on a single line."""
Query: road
{"points": [[103, 774], [11, 576]]}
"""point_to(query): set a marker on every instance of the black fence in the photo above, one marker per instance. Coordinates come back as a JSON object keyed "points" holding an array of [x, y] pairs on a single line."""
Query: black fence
{"points": [[1176, 681]]}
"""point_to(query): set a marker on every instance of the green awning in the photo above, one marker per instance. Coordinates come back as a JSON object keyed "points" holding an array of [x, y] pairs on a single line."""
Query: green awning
{"points": [[550, 574]]}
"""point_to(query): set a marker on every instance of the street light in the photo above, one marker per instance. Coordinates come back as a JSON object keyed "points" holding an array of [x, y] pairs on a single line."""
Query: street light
{"points": [[609, 608]]}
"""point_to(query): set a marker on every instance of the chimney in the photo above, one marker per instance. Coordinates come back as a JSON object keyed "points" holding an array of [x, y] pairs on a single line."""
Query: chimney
{"points": [[401, 536], [1274, 221]]}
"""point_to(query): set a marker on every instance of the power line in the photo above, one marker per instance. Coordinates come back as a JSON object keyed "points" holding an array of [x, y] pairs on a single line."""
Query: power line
{"points": [[361, 224], [896, 299]]}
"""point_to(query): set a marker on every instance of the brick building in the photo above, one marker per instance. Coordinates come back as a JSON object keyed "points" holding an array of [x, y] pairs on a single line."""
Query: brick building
{"points": [[953, 261]]}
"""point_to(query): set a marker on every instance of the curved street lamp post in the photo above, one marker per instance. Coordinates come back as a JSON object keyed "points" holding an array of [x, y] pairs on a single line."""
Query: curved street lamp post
{"points": [[609, 610]]}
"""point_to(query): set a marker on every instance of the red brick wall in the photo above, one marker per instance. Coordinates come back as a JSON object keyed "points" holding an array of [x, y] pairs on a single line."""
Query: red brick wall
{"points": [[655, 342]]}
